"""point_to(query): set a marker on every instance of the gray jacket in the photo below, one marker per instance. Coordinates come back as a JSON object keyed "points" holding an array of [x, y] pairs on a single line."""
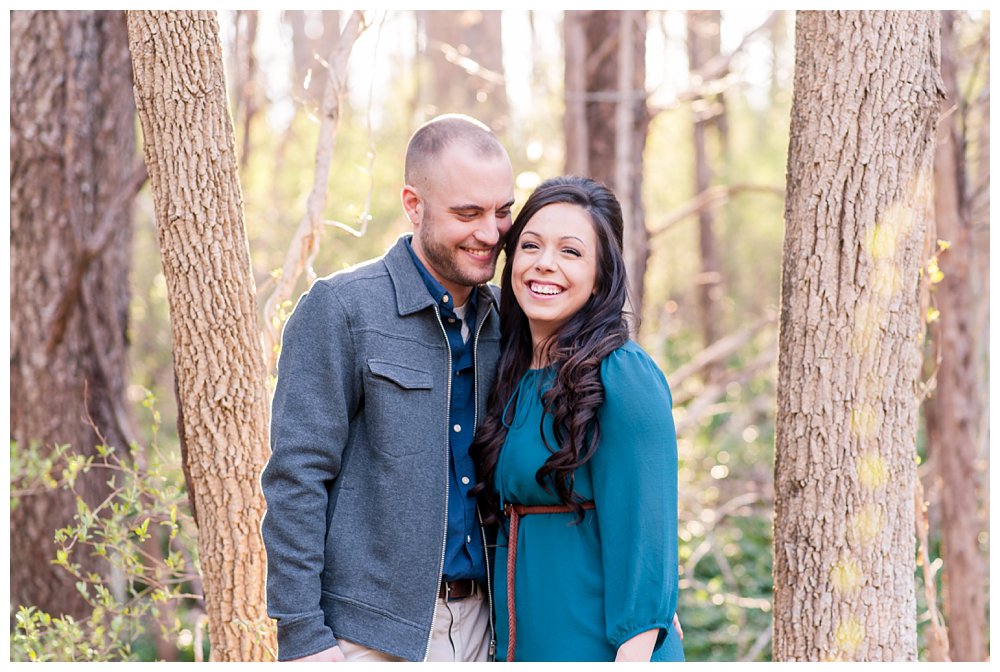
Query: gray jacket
{"points": [[357, 482]]}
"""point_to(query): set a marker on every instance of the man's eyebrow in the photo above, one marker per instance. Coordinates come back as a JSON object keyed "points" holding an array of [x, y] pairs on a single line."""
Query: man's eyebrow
{"points": [[479, 208]]}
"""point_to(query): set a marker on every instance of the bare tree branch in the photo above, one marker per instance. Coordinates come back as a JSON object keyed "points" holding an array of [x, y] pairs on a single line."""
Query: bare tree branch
{"points": [[701, 404], [305, 243], [937, 637], [707, 79], [710, 198], [99, 240], [719, 350]]}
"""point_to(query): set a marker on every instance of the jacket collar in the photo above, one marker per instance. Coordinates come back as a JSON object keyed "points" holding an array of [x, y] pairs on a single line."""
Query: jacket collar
{"points": [[411, 291]]}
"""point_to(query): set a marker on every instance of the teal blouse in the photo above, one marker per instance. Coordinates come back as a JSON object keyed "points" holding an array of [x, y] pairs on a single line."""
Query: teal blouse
{"points": [[582, 590]]}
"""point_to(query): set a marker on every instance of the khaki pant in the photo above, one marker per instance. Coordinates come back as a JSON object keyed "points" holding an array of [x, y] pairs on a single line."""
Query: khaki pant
{"points": [[461, 634]]}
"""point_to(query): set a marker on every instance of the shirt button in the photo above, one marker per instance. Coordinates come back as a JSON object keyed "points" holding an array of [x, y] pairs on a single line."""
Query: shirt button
{"points": [[445, 299], [465, 480], [457, 428], [451, 320], [468, 539]]}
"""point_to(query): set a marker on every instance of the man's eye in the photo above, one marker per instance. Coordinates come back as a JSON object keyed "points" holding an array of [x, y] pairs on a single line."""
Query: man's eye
{"points": [[503, 214]]}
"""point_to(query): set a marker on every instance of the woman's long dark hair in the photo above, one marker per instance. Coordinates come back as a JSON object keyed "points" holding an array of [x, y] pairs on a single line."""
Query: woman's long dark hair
{"points": [[575, 351]]}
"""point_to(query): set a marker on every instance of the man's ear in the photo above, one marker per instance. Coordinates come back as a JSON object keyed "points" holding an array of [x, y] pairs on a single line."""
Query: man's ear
{"points": [[413, 204]]}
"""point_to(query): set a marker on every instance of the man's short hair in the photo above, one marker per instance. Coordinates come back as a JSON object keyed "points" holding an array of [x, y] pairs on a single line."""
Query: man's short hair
{"points": [[431, 139]]}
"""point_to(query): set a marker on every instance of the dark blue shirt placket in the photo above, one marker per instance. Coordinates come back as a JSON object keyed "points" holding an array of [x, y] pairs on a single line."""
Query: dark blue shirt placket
{"points": [[464, 553]]}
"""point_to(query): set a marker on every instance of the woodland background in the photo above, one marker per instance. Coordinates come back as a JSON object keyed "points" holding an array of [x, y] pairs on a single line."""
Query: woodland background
{"points": [[118, 311]]}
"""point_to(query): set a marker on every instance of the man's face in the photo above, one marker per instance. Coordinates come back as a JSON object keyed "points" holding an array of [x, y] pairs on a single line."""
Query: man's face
{"points": [[461, 216]]}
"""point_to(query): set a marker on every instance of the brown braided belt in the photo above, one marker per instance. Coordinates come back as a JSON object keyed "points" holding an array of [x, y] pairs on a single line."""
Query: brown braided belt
{"points": [[515, 511]]}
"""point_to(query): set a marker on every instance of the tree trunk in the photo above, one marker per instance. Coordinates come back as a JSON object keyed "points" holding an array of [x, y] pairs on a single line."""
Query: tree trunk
{"points": [[611, 96], [246, 93], [222, 403], [577, 158], [72, 180], [465, 73], [864, 114], [953, 411], [704, 44]]}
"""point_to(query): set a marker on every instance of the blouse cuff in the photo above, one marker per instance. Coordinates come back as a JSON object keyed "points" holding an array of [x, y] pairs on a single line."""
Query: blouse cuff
{"points": [[631, 632]]}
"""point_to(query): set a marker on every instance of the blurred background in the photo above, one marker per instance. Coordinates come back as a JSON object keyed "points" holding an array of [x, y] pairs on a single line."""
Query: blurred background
{"points": [[708, 133]]}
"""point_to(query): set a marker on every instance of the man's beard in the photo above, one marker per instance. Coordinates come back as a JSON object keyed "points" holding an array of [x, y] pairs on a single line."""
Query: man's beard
{"points": [[445, 260]]}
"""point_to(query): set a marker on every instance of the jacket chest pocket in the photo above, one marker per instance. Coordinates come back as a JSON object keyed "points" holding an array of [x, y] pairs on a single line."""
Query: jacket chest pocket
{"points": [[399, 407]]}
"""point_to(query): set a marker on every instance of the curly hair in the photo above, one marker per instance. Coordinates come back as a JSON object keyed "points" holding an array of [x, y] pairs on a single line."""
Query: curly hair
{"points": [[574, 352]]}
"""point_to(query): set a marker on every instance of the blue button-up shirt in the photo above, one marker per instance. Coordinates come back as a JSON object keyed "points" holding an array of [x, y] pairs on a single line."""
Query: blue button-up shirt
{"points": [[464, 556]]}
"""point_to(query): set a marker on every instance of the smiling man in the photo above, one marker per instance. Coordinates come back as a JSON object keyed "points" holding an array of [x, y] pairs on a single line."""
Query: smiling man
{"points": [[375, 549]]}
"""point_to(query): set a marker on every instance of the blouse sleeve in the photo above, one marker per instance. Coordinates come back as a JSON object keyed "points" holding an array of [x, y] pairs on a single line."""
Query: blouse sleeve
{"points": [[634, 473]]}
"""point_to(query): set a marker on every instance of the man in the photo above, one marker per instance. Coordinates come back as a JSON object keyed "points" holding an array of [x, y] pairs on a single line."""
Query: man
{"points": [[375, 551]]}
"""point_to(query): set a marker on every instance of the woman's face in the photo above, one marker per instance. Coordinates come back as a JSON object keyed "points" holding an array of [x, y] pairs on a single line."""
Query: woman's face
{"points": [[554, 270]]}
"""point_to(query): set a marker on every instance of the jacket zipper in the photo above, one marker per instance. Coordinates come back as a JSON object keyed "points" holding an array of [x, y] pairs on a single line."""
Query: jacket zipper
{"points": [[482, 529], [444, 537]]}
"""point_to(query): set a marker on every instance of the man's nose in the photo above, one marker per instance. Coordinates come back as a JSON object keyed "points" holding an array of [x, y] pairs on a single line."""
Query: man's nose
{"points": [[488, 231]]}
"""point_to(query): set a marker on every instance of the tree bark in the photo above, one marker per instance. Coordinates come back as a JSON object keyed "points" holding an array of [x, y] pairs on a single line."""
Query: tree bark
{"points": [[864, 114], [189, 149], [704, 28], [73, 177], [612, 99], [953, 412]]}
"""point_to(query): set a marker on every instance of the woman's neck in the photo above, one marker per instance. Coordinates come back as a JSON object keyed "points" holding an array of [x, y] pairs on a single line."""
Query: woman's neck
{"points": [[540, 352]]}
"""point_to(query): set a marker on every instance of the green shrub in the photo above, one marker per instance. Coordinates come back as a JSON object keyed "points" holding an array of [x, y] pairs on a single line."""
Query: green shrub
{"points": [[143, 532]]}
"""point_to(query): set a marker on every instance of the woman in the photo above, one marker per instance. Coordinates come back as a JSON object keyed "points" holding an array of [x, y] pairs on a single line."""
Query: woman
{"points": [[578, 462]]}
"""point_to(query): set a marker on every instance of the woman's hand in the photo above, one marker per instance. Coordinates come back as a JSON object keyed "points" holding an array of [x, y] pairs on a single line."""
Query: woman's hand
{"points": [[639, 649]]}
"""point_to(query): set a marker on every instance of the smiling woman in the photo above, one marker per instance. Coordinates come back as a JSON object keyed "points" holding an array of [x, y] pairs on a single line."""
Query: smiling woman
{"points": [[578, 446], [554, 269]]}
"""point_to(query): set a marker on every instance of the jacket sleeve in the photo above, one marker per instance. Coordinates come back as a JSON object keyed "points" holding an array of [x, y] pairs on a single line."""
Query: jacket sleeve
{"points": [[634, 472], [317, 391]]}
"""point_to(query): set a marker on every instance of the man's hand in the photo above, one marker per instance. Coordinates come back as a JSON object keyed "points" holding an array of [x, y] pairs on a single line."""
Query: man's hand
{"points": [[331, 655]]}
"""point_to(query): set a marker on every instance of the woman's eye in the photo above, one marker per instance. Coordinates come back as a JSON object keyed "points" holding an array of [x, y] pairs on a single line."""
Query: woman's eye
{"points": [[573, 252], [528, 246]]}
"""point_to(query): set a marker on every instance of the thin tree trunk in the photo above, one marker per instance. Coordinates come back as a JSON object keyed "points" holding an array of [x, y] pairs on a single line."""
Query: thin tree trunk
{"points": [[612, 97], [222, 401], [954, 410], [246, 100], [628, 157], [72, 180], [577, 161], [860, 165], [704, 44]]}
